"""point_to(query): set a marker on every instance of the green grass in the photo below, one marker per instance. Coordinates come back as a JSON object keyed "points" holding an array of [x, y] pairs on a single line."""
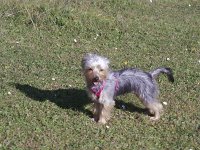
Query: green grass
{"points": [[37, 44]]}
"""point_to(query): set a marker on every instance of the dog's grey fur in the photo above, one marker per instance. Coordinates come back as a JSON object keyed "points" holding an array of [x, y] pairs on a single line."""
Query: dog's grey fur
{"points": [[143, 84]]}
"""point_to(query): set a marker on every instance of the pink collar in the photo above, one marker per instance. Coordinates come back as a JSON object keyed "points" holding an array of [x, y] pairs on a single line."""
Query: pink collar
{"points": [[97, 89]]}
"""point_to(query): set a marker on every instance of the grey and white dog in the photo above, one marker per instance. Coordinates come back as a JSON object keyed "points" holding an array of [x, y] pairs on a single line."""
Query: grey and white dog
{"points": [[103, 85]]}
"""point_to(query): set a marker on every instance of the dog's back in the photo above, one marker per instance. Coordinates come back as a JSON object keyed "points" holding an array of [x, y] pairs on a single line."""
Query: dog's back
{"points": [[135, 80]]}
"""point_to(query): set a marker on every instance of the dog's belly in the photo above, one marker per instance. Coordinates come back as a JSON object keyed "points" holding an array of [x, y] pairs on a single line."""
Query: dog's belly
{"points": [[124, 88]]}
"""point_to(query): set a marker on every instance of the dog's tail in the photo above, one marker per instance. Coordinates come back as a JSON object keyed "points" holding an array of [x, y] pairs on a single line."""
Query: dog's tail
{"points": [[167, 71]]}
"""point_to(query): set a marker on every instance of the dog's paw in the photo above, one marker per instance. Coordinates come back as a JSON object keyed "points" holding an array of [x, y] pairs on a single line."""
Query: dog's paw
{"points": [[102, 121], [92, 119], [151, 112], [154, 118]]}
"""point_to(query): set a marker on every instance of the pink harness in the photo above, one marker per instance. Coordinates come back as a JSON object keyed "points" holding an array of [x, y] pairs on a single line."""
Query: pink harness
{"points": [[97, 89]]}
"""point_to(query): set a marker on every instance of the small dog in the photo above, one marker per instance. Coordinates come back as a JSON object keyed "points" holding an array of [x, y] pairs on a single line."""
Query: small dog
{"points": [[103, 85]]}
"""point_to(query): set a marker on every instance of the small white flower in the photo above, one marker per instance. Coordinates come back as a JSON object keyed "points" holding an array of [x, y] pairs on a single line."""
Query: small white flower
{"points": [[9, 93], [95, 38], [165, 103], [168, 59], [115, 48], [107, 127], [75, 40], [8, 15], [53, 79], [199, 61], [97, 35], [70, 85], [151, 1], [189, 5]]}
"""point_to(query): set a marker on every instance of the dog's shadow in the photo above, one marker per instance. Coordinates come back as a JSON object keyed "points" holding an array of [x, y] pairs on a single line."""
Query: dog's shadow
{"points": [[128, 106], [71, 98]]}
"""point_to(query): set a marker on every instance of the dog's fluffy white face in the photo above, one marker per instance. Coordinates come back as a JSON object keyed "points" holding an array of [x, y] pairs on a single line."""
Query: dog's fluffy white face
{"points": [[95, 68]]}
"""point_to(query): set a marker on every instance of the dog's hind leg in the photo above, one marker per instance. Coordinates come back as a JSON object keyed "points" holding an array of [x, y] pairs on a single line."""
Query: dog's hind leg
{"points": [[155, 108]]}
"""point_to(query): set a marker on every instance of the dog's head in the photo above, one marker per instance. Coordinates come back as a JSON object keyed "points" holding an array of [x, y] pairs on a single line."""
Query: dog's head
{"points": [[95, 68]]}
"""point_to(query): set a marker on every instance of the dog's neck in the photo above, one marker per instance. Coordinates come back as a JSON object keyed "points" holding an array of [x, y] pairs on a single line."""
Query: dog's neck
{"points": [[98, 88]]}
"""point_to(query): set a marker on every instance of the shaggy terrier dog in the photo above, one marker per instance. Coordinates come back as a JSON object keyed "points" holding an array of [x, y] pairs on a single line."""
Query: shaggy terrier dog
{"points": [[103, 85]]}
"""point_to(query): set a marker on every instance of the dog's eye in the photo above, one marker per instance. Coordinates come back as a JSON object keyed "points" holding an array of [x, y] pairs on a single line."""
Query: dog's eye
{"points": [[101, 70]]}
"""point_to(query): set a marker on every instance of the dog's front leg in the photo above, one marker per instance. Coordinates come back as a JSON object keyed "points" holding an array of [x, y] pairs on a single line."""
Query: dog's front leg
{"points": [[100, 113], [96, 111], [105, 107], [105, 113]]}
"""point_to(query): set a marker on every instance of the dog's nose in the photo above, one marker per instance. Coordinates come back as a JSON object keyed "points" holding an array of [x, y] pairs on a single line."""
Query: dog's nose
{"points": [[96, 78]]}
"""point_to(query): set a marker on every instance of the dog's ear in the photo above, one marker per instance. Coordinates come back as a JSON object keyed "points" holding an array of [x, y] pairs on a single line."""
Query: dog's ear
{"points": [[83, 63], [107, 61], [85, 59]]}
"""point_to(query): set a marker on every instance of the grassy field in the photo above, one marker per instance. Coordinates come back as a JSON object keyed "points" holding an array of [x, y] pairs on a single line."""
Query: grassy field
{"points": [[43, 103]]}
